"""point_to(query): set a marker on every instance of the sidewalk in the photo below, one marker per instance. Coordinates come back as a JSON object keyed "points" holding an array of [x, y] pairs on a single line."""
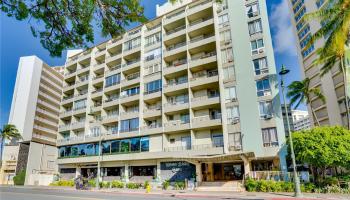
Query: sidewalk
{"points": [[203, 194]]}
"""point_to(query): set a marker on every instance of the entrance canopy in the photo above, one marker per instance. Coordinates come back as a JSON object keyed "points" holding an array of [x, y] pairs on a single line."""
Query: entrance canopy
{"points": [[218, 158]]}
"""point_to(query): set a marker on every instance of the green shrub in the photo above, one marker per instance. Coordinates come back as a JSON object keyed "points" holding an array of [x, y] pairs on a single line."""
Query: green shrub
{"points": [[92, 183], [133, 185], [251, 185], [308, 187], [165, 184], [117, 184], [105, 184], [146, 184], [287, 186], [63, 183], [329, 181], [20, 178], [179, 185]]}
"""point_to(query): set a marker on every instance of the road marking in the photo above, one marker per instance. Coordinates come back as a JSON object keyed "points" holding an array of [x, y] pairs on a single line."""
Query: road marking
{"points": [[52, 195]]}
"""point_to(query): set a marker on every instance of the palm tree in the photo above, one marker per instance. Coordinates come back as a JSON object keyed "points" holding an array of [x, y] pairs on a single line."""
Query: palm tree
{"points": [[300, 91], [335, 18], [9, 132]]}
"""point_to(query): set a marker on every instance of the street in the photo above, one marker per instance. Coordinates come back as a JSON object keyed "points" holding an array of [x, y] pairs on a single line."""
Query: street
{"points": [[16, 193]]}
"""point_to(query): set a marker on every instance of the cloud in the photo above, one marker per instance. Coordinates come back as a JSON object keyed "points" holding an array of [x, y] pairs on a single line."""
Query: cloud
{"points": [[282, 29]]}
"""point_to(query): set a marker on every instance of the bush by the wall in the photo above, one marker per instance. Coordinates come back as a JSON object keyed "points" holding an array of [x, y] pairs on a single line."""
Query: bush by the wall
{"points": [[117, 184], [64, 183], [19, 178], [131, 185], [179, 185], [275, 186], [165, 184]]}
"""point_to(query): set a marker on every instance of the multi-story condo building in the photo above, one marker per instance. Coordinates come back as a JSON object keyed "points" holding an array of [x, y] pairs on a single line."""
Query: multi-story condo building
{"points": [[191, 92], [299, 114], [302, 124], [333, 112], [35, 113], [290, 119]]}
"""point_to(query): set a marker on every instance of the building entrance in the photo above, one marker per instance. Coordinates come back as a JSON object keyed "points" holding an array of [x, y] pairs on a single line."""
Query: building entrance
{"points": [[222, 171]]}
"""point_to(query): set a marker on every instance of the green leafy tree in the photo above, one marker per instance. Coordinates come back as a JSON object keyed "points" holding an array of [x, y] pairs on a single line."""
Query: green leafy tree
{"points": [[335, 20], [9, 132], [300, 91], [19, 179], [323, 147], [70, 23]]}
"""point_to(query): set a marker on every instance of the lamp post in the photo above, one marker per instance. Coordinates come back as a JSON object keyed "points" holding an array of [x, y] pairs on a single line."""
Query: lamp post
{"points": [[297, 191]]}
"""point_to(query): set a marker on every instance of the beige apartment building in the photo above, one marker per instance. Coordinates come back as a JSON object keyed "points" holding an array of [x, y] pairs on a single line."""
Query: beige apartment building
{"points": [[191, 93], [35, 112], [333, 112]]}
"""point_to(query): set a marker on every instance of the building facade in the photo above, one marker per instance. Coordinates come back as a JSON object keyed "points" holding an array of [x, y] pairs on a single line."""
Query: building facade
{"points": [[301, 120], [290, 118], [191, 93], [333, 112], [35, 111]]}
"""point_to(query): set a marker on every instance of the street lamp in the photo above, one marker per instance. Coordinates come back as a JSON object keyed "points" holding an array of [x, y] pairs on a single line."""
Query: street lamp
{"points": [[297, 191]]}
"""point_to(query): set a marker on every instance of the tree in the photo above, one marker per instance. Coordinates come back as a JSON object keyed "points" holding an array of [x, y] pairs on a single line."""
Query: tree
{"points": [[335, 28], [323, 147], [9, 132], [70, 23], [300, 91]]}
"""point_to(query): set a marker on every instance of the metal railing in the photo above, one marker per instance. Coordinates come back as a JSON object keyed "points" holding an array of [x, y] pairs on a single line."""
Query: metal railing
{"points": [[212, 145]]}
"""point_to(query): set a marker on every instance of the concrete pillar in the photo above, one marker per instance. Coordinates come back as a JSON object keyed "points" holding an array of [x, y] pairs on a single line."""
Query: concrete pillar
{"points": [[77, 172], [126, 172], [159, 178], [246, 164], [211, 172], [199, 175]]}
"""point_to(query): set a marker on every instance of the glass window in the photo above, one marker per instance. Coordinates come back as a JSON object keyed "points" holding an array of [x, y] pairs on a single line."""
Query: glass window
{"points": [[61, 152], [112, 80], [125, 146], [152, 69], [153, 54], [132, 43], [252, 10], [263, 87], [82, 149], [129, 125], [144, 144], [255, 27], [68, 151], [106, 147], [257, 45], [225, 36], [185, 118], [115, 146], [227, 55], [260, 66], [270, 138], [230, 93], [229, 72], [135, 144], [232, 113], [265, 108], [90, 149], [75, 150], [235, 140], [222, 20], [153, 86], [152, 39], [80, 104]]}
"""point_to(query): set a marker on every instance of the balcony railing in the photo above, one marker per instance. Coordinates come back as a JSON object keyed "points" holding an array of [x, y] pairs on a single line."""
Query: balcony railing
{"points": [[198, 21], [178, 45], [114, 68], [203, 98], [202, 37], [132, 76], [79, 108], [132, 62], [180, 28], [176, 123], [153, 91], [206, 118], [176, 103], [207, 55], [205, 75], [176, 83], [175, 14], [154, 125], [152, 109], [219, 144], [98, 76], [97, 91], [111, 99], [178, 63]]}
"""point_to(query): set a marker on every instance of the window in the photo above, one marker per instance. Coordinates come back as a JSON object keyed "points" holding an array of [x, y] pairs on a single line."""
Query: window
{"points": [[270, 138], [217, 139], [67, 170], [135, 144], [183, 98], [185, 118], [252, 10], [125, 146], [153, 54], [265, 108], [153, 86], [235, 140], [112, 80], [80, 104], [152, 69], [111, 171], [232, 113], [115, 146], [257, 46], [129, 125], [106, 147], [223, 19], [144, 144], [229, 72], [131, 92], [225, 36], [95, 131], [227, 55], [152, 39], [263, 87], [255, 27], [131, 44], [230, 93], [260, 66]]}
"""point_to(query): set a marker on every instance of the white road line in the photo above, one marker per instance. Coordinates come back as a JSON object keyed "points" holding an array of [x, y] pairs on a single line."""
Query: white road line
{"points": [[70, 197]]}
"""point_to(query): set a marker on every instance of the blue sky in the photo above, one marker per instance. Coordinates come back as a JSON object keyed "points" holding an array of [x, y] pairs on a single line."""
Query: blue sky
{"points": [[16, 40]]}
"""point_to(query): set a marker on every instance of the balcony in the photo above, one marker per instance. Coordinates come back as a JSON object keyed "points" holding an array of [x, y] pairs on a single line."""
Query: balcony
{"points": [[67, 99], [153, 30], [110, 119], [44, 138], [67, 87], [152, 129], [79, 110], [98, 79], [85, 55], [97, 93], [81, 95], [205, 101], [131, 50], [176, 86], [95, 108], [83, 70], [234, 124], [112, 86], [45, 130], [176, 106], [130, 98], [66, 113], [201, 41], [152, 112], [180, 65], [110, 57], [64, 127], [129, 114], [82, 81], [212, 148], [113, 70], [49, 97], [176, 125], [99, 66], [198, 24], [131, 79], [46, 121], [111, 102], [175, 49], [203, 60], [205, 79], [181, 30], [115, 42], [131, 64], [199, 7], [174, 17], [152, 94], [206, 121], [51, 107]]}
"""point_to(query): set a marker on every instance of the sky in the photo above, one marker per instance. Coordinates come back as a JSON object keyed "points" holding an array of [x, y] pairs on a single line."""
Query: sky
{"points": [[16, 40]]}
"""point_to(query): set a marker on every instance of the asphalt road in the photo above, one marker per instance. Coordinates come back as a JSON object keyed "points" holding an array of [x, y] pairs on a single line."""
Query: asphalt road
{"points": [[15, 193]]}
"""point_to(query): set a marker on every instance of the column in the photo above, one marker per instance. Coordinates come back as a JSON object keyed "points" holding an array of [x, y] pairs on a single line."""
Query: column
{"points": [[77, 172], [126, 172], [246, 164], [199, 175], [211, 172], [159, 178]]}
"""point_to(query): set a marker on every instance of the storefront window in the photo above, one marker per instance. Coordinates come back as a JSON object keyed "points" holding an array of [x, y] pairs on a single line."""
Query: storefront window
{"points": [[135, 144], [106, 147], [125, 146], [115, 146], [144, 144]]}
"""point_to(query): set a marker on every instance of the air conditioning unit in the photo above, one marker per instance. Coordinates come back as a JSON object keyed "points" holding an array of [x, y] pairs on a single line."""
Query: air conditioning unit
{"points": [[234, 99], [235, 121], [219, 9], [261, 50], [238, 147], [267, 116]]}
